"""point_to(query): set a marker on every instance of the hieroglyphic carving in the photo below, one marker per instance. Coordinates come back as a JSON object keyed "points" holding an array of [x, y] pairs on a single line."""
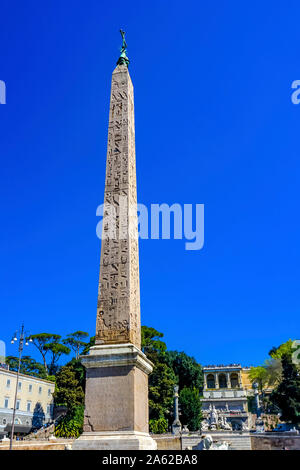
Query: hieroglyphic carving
{"points": [[118, 310]]}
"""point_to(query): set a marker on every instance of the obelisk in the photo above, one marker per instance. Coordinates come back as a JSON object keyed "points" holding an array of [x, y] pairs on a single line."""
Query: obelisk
{"points": [[116, 400]]}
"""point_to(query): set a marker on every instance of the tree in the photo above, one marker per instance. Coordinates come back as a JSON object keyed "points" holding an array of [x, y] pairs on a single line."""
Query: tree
{"points": [[89, 345], [158, 426], [190, 405], [161, 380], [287, 395], [273, 367], [28, 366], [79, 370], [75, 341], [161, 386], [56, 350], [188, 371], [282, 350], [68, 391], [41, 341], [152, 346], [259, 375], [170, 367], [71, 425]]}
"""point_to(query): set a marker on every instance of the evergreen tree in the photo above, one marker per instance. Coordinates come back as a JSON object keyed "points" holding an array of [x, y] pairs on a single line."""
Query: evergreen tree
{"points": [[76, 343], [287, 395], [161, 386], [28, 366], [68, 391], [190, 406], [187, 370]]}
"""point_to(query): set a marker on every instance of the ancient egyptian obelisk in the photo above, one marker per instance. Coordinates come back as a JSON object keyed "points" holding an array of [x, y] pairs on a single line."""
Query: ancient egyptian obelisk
{"points": [[116, 403]]}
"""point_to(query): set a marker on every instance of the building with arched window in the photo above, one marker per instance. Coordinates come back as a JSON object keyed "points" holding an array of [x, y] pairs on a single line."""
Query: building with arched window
{"points": [[226, 387]]}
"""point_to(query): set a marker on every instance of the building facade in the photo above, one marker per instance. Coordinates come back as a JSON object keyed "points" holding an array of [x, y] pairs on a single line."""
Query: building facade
{"points": [[226, 388], [34, 406]]}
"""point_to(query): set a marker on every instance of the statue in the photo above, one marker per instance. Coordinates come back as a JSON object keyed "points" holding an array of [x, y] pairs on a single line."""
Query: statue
{"points": [[213, 418], [204, 425], [123, 59], [244, 426], [208, 444], [224, 423]]}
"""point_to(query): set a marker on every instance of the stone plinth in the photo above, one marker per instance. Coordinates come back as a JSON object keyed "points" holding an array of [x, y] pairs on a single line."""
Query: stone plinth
{"points": [[116, 407], [122, 440]]}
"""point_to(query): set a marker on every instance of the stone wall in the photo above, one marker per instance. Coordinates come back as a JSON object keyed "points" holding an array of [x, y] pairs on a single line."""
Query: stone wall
{"points": [[59, 444], [167, 441], [237, 440], [275, 441]]}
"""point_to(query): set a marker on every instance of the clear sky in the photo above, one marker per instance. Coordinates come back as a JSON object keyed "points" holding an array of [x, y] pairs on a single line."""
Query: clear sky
{"points": [[214, 125]]}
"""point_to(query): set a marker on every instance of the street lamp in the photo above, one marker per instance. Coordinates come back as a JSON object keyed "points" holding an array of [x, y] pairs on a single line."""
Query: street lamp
{"points": [[21, 334]]}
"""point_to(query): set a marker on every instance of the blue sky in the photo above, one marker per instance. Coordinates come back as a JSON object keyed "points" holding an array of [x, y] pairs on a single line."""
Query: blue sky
{"points": [[214, 125]]}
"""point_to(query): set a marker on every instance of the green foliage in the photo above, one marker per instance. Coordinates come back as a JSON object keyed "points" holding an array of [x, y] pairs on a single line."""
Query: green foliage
{"points": [[89, 345], [49, 343], [28, 366], [273, 367], [158, 426], [161, 385], [287, 395], [170, 368], [68, 392], [284, 349], [79, 370], [41, 342], [259, 375], [52, 378], [251, 404], [267, 375], [57, 350], [152, 346], [75, 341], [190, 405], [162, 379], [188, 371], [71, 425]]}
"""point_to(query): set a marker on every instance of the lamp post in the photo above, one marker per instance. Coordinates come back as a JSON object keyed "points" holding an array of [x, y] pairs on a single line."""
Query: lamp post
{"points": [[176, 426], [259, 423], [15, 338]]}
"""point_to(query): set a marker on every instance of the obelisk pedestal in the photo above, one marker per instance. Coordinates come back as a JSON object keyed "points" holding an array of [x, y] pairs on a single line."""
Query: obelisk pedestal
{"points": [[116, 399], [116, 407]]}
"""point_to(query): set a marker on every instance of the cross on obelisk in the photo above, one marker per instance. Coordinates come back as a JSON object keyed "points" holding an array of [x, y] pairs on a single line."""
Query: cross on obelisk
{"points": [[116, 402]]}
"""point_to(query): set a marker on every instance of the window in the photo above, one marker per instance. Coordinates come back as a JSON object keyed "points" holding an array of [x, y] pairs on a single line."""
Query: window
{"points": [[30, 388], [6, 402], [4, 421], [222, 381], [29, 406], [40, 390], [48, 409], [211, 381], [20, 385], [49, 392], [8, 383], [234, 380], [18, 404]]}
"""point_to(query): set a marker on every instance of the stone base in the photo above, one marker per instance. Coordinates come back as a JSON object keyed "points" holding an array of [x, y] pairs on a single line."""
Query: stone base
{"points": [[116, 399], [118, 440]]}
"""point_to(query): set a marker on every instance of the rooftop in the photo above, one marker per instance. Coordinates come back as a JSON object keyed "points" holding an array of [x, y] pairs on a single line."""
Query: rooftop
{"points": [[4, 369]]}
